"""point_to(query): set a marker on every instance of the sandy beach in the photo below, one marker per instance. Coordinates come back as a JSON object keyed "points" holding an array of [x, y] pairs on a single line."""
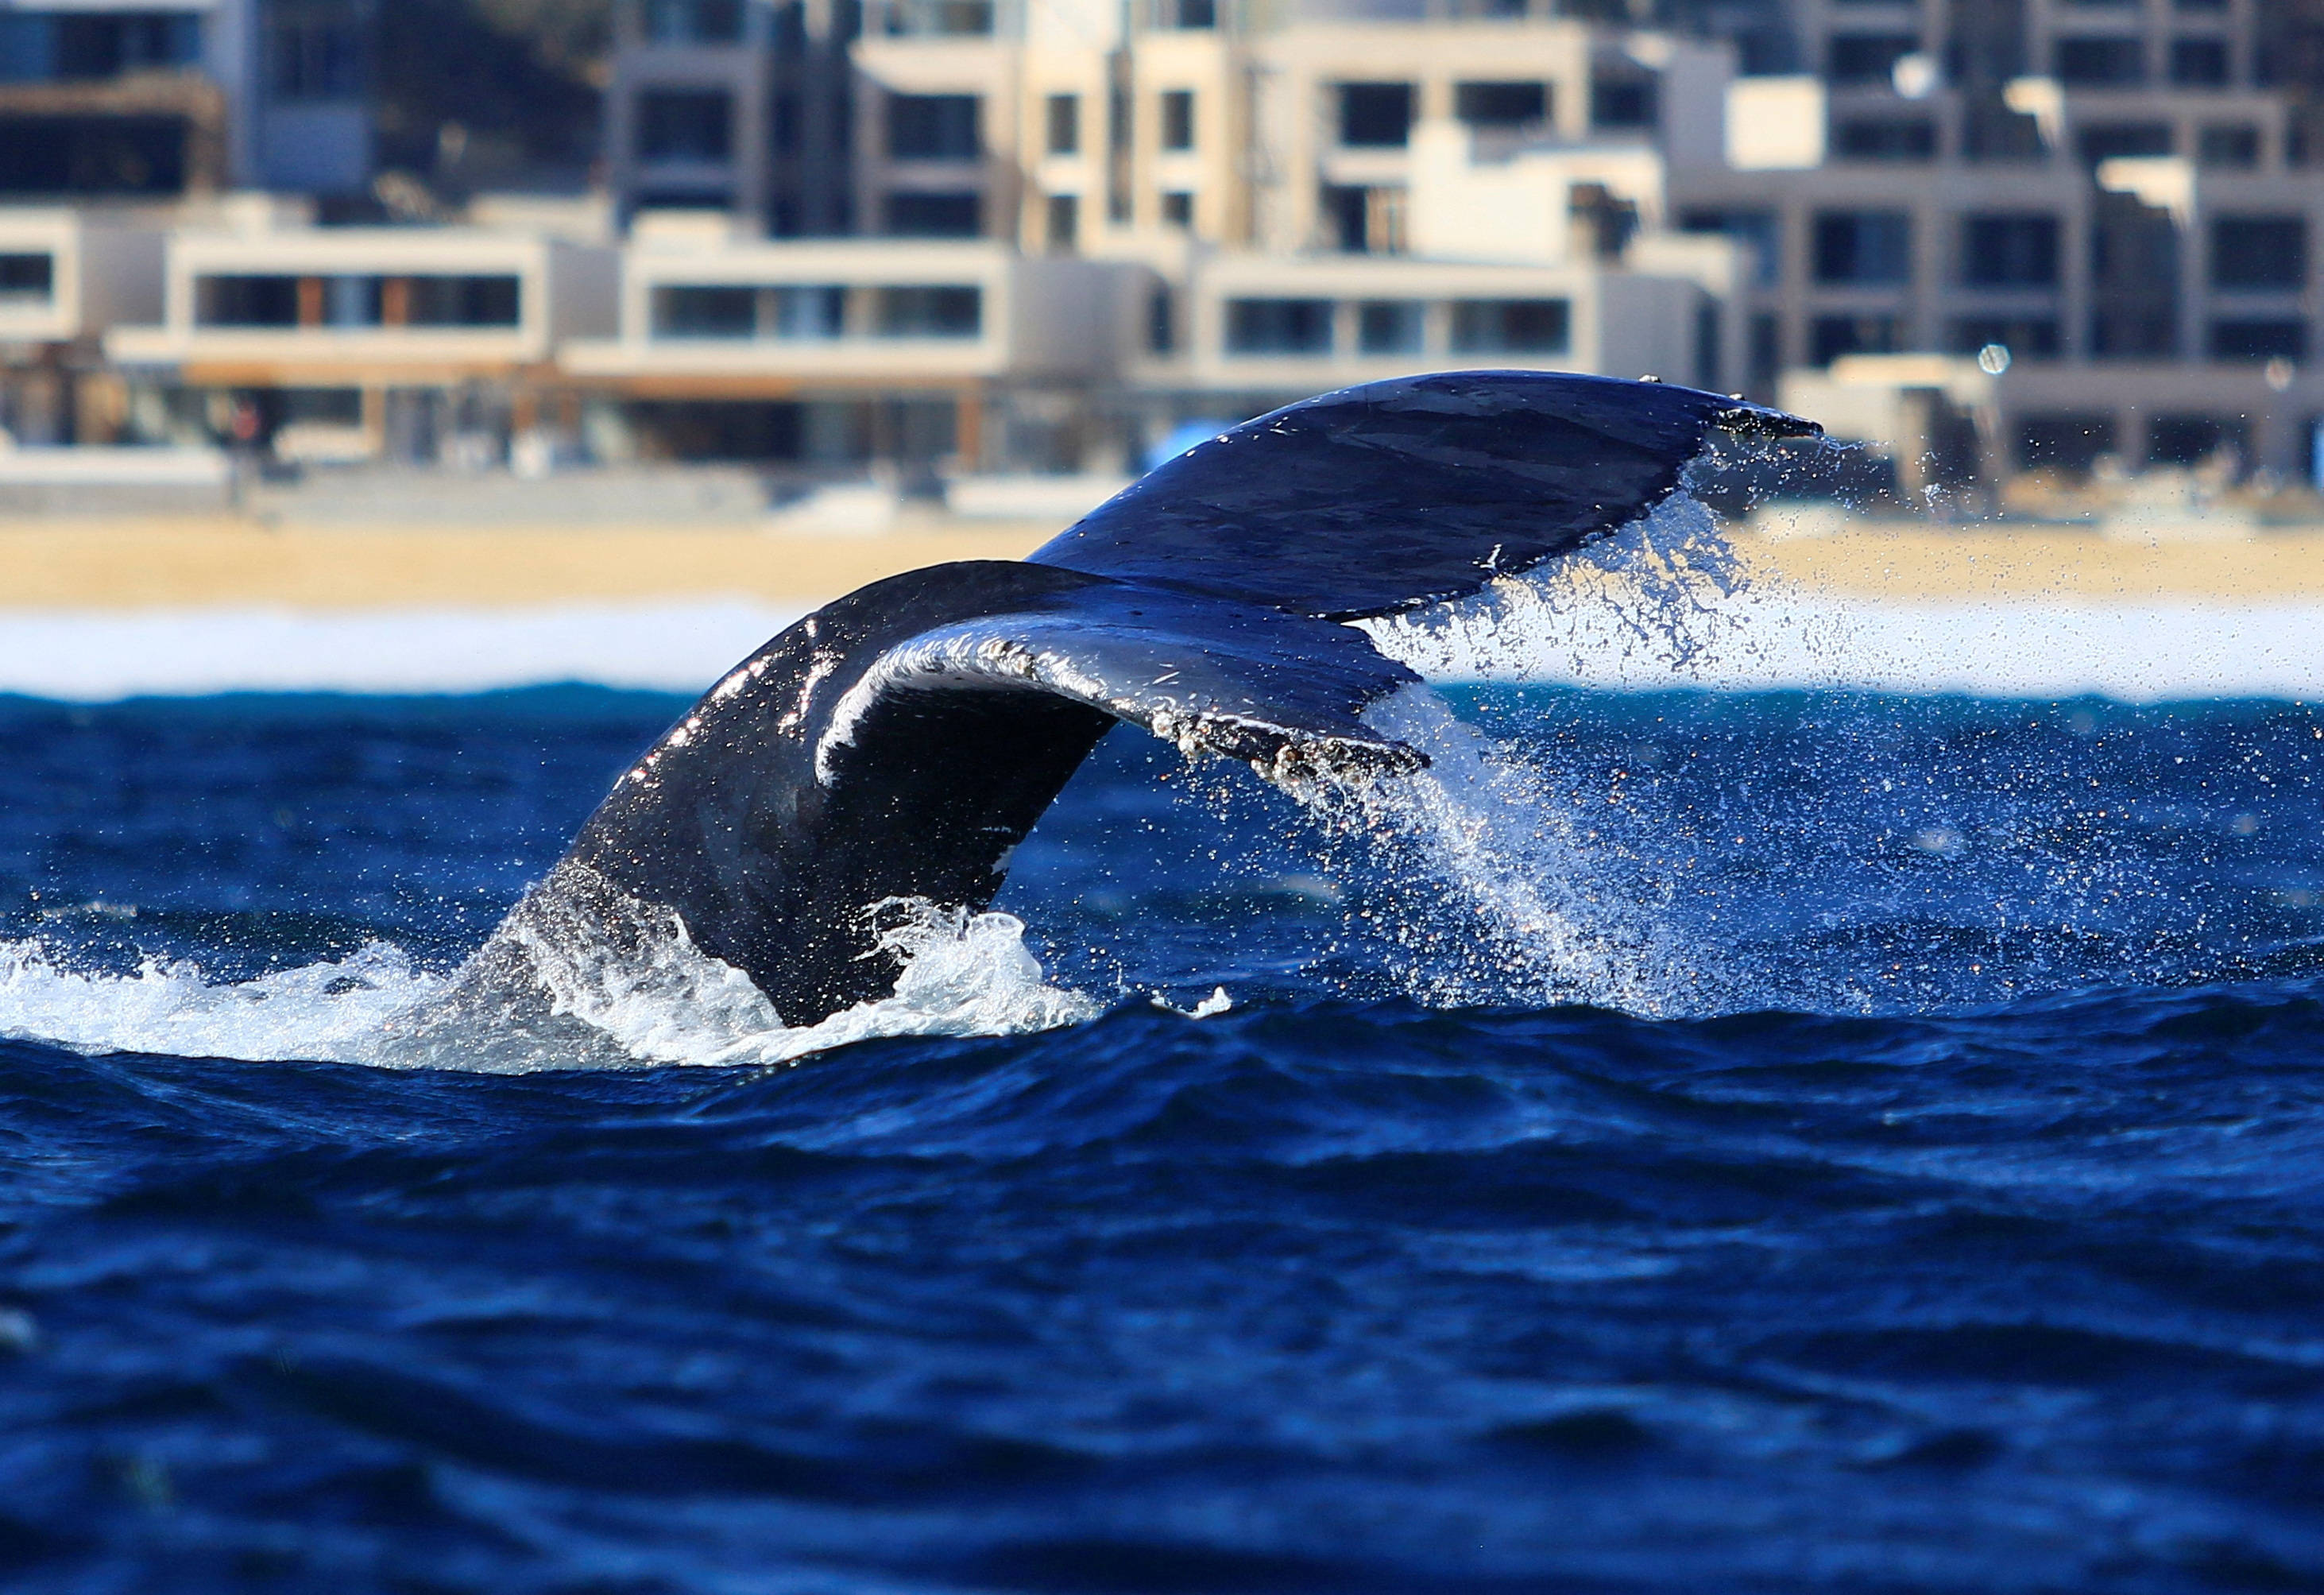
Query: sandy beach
{"points": [[139, 564]]}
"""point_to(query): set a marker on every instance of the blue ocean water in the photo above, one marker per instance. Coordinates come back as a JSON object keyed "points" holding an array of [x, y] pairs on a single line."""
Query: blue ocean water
{"points": [[1789, 1142]]}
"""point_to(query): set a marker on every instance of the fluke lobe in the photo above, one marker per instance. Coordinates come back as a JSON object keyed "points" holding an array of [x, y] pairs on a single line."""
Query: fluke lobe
{"points": [[900, 742]]}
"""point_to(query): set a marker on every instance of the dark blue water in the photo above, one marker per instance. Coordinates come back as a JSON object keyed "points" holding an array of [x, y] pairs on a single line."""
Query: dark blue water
{"points": [[1943, 1215]]}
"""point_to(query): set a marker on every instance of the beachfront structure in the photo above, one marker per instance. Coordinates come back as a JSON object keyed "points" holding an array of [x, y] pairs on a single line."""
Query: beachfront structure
{"points": [[168, 100], [2111, 203], [735, 106], [65, 276], [347, 343], [828, 355]]}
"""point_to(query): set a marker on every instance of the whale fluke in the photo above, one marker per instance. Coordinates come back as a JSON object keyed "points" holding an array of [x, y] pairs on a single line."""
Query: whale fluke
{"points": [[900, 742]]}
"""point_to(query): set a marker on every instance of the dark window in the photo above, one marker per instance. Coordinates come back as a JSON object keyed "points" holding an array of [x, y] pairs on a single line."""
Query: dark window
{"points": [[783, 124], [2098, 61], [1868, 58], [247, 301], [2228, 144], [1187, 13], [463, 302], [1756, 233], [1622, 102], [2259, 252], [1161, 322], [1178, 119], [1279, 327], [693, 22], [1885, 138], [2105, 141], [1502, 105], [93, 154], [1177, 209], [717, 429], [79, 44], [1831, 336], [2134, 335], [2026, 337], [692, 310], [26, 276], [2191, 440], [1389, 326], [313, 58], [2063, 442], [1374, 115], [939, 18], [1510, 326], [2259, 340], [2010, 251], [1871, 246], [935, 216], [929, 312], [685, 125], [933, 127], [1065, 223], [1065, 123], [1767, 350], [1344, 207], [2199, 63]]}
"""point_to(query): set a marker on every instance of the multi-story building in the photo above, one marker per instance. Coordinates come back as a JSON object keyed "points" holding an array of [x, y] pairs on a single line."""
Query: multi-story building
{"points": [[167, 99], [739, 106], [2114, 203], [355, 343]]}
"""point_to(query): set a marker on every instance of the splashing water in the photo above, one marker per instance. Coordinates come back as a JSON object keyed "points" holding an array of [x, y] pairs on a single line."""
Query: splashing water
{"points": [[619, 989]]}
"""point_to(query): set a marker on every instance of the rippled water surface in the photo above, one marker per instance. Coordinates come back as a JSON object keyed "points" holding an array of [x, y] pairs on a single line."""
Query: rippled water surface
{"points": [[1781, 1142]]}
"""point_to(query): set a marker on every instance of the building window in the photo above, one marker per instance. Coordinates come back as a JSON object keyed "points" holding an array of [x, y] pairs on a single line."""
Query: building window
{"points": [[2026, 337], [2105, 141], [1865, 246], [26, 277], [314, 58], [1178, 119], [937, 19], [2100, 62], [1161, 322], [1186, 13], [2191, 440], [1831, 336], [1064, 124], [1756, 233], [2231, 144], [1279, 327], [239, 301], [693, 22], [90, 43], [1064, 228], [933, 127], [2199, 63], [2010, 251], [686, 124], [1502, 105], [1391, 327], [2070, 442], [1375, 116], [1885, 138], [813, 313], [460, 302], [1178, 209], [2243, 339], [936, 216], [1868, 58], [1622, 102], [696, 310], [1510, 326], [928, 312], [2264, 251]]}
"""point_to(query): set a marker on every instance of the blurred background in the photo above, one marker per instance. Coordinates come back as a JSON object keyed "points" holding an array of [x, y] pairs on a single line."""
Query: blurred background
{"points": [[852, 265]]}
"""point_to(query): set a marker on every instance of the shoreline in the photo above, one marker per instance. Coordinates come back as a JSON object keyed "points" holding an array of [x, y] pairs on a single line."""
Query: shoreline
{"points": [[222, 562]]}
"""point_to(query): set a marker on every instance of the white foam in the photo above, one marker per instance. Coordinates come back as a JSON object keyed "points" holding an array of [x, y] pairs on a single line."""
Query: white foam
{"points": [[610, 1005], [96, 655]]}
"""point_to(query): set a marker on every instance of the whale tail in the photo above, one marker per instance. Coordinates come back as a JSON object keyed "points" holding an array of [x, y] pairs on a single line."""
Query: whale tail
{"points": [[901, 742]]}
